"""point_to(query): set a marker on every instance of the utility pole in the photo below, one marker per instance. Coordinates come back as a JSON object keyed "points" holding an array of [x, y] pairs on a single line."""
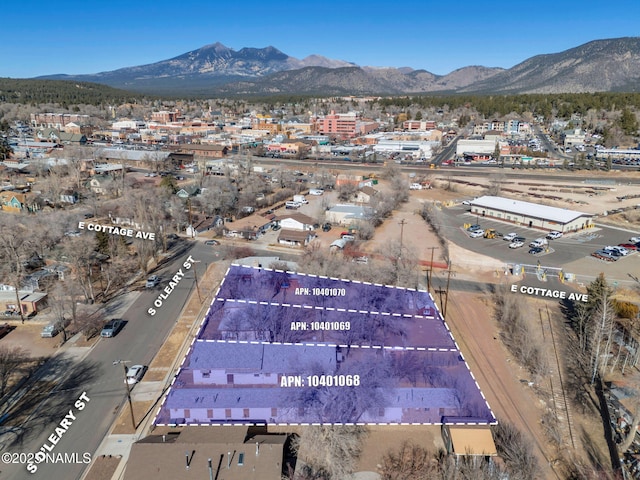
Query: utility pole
{"points": [[446, 298], [430, 270], [195, 273], [126, 385], [403, 222]]}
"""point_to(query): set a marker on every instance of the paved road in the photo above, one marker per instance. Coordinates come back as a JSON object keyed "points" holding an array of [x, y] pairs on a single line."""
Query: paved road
{"points": [[99, 379]]}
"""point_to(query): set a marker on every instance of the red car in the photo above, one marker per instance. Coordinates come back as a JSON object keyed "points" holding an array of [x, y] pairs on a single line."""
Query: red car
{"points": [[630, 246]]}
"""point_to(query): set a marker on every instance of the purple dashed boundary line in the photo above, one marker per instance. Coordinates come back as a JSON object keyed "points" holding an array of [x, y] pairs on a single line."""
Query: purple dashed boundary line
{"points": [[329, 309], [314, 344], [200, 328], [309, 424]]}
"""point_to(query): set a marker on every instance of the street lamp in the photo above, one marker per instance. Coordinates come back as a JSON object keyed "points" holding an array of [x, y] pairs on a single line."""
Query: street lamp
{"points": [[126, 386]]}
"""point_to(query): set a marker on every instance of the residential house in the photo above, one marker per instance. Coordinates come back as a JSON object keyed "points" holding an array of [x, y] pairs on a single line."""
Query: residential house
{"points": [[475, 441], [30, 302], [347, 214], [365, 194], [72, 138], [100, 184], [249, 228], [16, 202], [188, 191], [231, 453], [296, 221], [295, 238]]}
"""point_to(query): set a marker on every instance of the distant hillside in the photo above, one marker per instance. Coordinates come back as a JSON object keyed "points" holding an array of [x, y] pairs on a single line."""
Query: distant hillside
{"points": [[599, 66], [58, 91], [354, 81], [210, 65], [611, 65]]}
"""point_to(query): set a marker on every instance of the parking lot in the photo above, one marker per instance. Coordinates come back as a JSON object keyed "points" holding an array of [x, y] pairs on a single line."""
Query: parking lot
{"points": [[572, 252]]}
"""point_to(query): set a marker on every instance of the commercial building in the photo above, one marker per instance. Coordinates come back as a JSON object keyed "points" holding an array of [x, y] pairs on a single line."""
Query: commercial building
{"points": [[531, 215]]}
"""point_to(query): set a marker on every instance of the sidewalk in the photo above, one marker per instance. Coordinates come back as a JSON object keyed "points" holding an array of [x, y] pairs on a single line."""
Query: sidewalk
{"points": [[111, 456]]}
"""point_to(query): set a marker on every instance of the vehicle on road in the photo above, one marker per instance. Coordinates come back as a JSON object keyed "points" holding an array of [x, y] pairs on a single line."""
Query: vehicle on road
{"points": [[476, 233], [152, 281], [554, 235], [515, 244], [509, 237], [135, 374], [112, 327], [212, 243]]}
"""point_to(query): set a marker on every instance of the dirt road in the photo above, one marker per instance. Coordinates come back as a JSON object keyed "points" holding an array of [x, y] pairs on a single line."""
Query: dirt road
{"points": [[475, 331]]}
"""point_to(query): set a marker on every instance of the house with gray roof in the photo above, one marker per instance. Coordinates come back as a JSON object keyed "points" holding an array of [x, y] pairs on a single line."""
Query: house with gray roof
{"points": [[347, 214]]}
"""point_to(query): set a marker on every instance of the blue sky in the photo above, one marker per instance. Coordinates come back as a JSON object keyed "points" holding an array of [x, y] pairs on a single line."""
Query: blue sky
{"points": [[73, 37]]}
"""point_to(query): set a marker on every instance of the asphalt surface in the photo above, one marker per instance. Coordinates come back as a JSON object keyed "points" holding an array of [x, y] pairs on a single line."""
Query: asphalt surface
{"points": [[99, 379]]}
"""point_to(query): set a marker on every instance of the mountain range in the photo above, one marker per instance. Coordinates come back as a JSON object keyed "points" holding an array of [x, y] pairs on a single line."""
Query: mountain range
{"points": [[217, 70]]}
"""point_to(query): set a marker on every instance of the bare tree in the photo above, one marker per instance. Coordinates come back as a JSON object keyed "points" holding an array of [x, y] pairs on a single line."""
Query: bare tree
{"points": [[11, 360], [329, 452], [14, 245], [516, 451]]}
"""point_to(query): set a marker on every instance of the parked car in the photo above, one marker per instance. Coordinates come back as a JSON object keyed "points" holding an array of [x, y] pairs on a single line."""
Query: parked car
{"points": [[6, 328], [53, 328], [630, 246], [135, 374], [617, 249], [634, 239], [473, 227], [476, 233], [348, 238], [112, 327], [536, 250], [326, 227], [554, 235], [515, 244], [509, 237], [539, 242], [604, 255]]}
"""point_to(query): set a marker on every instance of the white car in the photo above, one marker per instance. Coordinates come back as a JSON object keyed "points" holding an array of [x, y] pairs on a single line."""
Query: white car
{"points": [[634, 239], [554, 235], [509, 236], [617, 248], [134, 374], [516, 244], [476, 233]]}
